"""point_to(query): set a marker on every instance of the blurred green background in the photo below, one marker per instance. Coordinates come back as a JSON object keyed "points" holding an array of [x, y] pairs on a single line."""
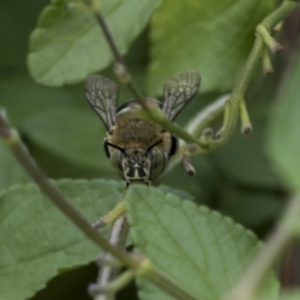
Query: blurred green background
{"points": [[65, 136]]}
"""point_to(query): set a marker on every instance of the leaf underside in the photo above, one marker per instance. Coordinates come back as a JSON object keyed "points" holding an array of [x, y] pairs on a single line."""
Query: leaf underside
{"points": [[212, 37], [68, 45]]}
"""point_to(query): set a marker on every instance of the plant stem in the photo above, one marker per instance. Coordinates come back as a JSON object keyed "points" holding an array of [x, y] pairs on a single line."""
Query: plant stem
{"points": [[265, 260], [195, 128], [11, 138], [155, 115], [117, 238], [280, 14], [238, 93], [121, 70], [125, 78], [111, 216], [202, 120], [46, 186], [109, 38], [239, 90], [242, 84], [158, 278]]}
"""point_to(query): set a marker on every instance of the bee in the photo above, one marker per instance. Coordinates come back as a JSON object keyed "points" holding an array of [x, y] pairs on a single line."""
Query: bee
{"points": [[139, 149]]}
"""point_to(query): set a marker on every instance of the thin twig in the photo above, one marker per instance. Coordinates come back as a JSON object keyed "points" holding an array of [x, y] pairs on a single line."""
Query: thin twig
{"points": [[205, 117], [265, 260], [233, 105], [11, 138], [242, 84], [239, 90], [232, 109], [117, 238], [195, 127], [156, 115], [46, 186], [237, 97], [120, 68], [109, 38]]}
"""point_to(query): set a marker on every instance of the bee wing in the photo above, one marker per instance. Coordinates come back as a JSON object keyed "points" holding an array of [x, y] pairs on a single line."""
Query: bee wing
{"points": [[102, 93], [178, 91]]}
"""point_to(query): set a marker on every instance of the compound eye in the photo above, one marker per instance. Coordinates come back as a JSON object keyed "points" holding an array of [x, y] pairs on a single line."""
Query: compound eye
{"points": [[158, 163], [117, 159]]}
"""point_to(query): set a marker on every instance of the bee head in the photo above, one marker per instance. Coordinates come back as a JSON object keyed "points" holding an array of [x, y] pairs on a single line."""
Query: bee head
{"points": [[135, 165]]}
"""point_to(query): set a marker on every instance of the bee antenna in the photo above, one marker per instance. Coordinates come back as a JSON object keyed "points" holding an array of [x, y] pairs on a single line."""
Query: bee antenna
{"points": [[115, 146], [152, 146]]}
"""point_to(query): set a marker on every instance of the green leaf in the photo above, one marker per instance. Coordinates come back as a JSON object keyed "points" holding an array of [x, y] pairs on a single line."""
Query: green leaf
{"points": [[200, 249], [38, 242], [290, 295], [67, 44], [283, 130], [10, 171], [180, 193], [213, 37], [22, 97]]}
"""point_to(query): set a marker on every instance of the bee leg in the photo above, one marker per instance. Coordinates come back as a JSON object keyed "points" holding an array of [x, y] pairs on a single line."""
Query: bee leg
{"points": [[126, 185], [109, 218]]}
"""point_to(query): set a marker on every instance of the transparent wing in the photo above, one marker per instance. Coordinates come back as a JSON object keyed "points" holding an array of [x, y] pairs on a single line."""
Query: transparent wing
{"points": [[102, 93], [178, 91]]}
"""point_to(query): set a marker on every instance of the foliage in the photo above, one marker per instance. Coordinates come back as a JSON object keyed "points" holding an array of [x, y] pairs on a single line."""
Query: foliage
{"points": [[176, 37], [247, 180], [66, 45], [31, 223], [203, 251]]}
